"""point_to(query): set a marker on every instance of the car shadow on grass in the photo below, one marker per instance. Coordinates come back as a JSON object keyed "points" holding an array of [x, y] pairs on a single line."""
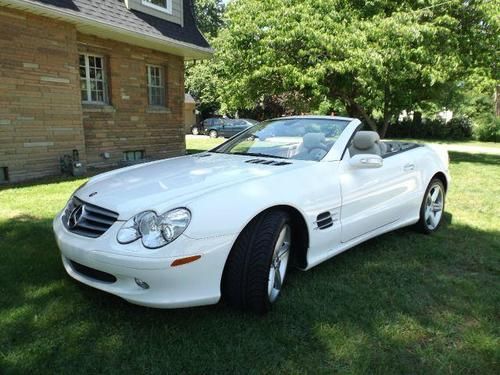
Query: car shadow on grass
{"points": [[484, 159], [403, 302]]}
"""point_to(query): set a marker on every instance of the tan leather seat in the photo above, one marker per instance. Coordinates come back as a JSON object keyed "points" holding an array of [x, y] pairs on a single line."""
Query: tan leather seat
{"points": [[367, 142]]}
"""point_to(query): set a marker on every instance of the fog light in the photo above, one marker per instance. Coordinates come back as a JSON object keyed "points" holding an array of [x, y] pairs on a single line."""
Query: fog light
{"points": [[142, 284]]}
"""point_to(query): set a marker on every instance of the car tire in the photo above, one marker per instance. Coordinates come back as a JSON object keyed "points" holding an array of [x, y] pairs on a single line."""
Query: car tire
{"points": [[432, 208], [213, 134], [195, 131], [256, 267]]}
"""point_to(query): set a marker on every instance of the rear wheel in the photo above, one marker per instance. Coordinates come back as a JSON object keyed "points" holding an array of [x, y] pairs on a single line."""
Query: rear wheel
{"points": [[256, 267], [195, 130], [213, 134], [432, 208]]}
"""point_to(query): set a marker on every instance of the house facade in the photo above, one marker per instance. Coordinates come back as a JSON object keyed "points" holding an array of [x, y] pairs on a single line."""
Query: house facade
{"points": [[103, 80]]}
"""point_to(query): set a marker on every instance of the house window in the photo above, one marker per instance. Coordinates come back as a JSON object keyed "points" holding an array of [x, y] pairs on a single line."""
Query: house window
{"points": [[93, 79], [133, 155], [4, 174], [156, 86], [161, 5]]}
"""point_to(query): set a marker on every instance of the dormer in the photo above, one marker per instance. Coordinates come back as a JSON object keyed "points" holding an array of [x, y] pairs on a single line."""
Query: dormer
{"points": [[169, 10]]}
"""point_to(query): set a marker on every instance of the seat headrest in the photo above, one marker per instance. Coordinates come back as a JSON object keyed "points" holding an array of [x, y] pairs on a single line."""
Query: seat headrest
{"points": [[363, 140], [313, 140]]}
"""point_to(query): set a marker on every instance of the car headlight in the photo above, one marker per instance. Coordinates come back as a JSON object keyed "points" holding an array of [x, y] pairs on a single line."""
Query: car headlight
{"points": [[155, 230]]}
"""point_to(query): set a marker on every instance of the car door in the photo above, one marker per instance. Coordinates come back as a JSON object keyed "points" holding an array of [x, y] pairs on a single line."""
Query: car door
{"points": [[228, 127], [239, 126], [218, 125], [373, 198], [207, 124]]}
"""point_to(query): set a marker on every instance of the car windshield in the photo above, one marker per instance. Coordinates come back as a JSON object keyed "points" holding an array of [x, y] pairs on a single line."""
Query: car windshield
{"points": [[292, 138]]}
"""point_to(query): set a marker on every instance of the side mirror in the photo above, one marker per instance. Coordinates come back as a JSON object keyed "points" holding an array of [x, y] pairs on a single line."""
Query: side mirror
{"points": [[364, 161]]}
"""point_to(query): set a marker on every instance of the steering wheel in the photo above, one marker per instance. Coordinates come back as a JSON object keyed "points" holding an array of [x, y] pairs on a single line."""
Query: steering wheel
{"points": [[318, 153], [320, 146]]}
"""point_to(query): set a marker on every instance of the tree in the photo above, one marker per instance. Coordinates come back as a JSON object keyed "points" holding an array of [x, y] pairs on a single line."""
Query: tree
{"points": [[377, 58], [208, 14], [200, 77]]}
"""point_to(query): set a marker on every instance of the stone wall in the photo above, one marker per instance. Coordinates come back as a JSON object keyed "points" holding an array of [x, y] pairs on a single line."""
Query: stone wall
{"points": [[40, 107]]}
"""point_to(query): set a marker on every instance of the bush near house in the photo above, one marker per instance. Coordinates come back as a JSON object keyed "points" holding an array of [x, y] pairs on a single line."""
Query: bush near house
{"points": [[460, 128]]}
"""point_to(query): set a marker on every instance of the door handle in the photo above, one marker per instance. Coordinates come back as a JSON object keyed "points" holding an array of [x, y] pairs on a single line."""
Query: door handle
{"points": [[409, 167]]}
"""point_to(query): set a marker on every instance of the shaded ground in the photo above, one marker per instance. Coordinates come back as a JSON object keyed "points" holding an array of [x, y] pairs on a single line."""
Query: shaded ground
{"points": [[401, 303]]}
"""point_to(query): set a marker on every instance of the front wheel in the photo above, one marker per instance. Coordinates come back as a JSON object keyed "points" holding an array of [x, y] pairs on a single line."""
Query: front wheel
{"points": [[256, 267], [432, 208], [213, 134], [195, 130]]}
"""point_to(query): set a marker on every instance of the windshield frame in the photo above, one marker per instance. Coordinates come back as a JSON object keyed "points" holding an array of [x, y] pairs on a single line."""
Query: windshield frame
{"points": [[241, 136]]}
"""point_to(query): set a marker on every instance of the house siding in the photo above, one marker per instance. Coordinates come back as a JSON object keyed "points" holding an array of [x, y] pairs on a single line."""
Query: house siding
{"points": [[176, 16], [40, 110], [128, 123], [41, 114]]}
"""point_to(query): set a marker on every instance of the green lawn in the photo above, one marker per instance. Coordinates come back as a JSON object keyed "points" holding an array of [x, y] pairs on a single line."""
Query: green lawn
{"points": [[404, 303], [198, 143]]}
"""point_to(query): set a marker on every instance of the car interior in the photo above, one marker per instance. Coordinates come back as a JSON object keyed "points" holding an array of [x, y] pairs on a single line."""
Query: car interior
{"points": [[368, 142], [312, 140]]}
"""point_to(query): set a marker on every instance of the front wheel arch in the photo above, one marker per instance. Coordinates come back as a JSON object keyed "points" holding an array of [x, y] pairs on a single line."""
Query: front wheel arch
{"points": [[441, 176], [300, 233]]}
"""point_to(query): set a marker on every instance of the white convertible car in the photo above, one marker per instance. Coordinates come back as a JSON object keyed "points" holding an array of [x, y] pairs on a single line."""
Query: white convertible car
{"points": [[227, 223]]}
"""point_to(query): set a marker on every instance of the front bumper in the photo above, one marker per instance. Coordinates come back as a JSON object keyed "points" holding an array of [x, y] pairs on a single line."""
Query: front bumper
{"points": [[193, 284]]}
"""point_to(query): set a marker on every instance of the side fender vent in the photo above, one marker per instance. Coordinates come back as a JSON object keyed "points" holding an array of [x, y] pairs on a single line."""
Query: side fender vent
{"points": [[324, 220], [268, 162]]}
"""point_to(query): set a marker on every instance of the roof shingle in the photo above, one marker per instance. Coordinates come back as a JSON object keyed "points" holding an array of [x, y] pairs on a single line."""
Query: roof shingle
{"points": [[115, 12]]}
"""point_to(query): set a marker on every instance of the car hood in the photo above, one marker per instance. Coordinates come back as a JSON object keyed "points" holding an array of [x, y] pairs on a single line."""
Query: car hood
{"points": [[170, 183]]}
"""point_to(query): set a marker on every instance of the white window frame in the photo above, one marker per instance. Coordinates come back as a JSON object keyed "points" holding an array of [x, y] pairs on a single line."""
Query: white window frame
{"points": [[87, 79], [142, 154], [167, 9], [162, 85]]}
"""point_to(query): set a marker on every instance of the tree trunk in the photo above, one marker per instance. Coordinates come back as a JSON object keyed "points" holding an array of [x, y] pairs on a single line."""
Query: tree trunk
{"points": [[497, 100], [383, 131], [358, 110], [387, 114]]}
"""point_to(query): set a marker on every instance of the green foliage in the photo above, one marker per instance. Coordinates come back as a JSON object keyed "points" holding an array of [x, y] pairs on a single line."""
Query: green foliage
{"points": [[209, 16], [375, 58], [200, 77], [487, 128], [459, 128]]}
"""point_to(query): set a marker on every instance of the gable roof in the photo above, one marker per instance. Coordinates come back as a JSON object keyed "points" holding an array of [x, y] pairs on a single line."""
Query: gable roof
{"points": [[102, 16]]}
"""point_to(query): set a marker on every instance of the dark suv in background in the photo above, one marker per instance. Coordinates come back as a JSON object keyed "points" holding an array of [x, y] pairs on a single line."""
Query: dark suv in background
{"points": [[224, 127]]}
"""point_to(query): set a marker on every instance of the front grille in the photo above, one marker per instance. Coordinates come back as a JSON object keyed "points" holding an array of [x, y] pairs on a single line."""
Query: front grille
{"points": [[86, 219], [92, 273]]}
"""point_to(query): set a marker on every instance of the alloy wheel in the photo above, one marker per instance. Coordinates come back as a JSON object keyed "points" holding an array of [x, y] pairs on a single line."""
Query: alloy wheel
{"points": [[279, 263], [434, 204]]}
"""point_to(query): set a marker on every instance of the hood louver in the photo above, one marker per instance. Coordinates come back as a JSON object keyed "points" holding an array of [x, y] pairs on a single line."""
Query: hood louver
{"points": [[202, 155], [268, 162]]}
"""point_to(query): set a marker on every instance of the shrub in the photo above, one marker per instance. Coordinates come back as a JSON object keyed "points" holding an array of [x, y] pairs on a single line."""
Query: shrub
{"points": [[457, 128], [487, 128]]}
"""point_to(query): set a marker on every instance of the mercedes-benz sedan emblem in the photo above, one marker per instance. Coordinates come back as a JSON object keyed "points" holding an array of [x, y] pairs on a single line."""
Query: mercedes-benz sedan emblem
{"points": [[75, 216]]}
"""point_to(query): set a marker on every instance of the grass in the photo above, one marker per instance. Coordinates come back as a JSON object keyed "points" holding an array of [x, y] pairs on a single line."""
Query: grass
{"points": [[401, 303], [199, 144]]}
